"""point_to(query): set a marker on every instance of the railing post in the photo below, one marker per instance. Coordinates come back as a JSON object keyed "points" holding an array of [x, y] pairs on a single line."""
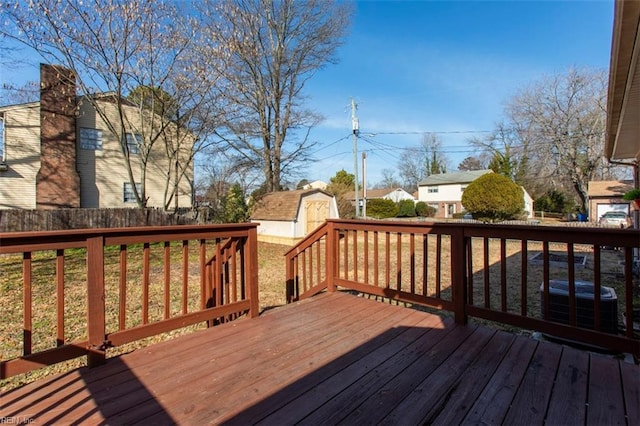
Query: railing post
{"points": [[330, 255], [252, 272], [458, 275], [96, 328], [290, 284]]}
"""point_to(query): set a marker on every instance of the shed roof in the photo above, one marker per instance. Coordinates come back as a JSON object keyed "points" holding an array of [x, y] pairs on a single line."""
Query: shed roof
{"points": [[456, 177], [282, 205]]}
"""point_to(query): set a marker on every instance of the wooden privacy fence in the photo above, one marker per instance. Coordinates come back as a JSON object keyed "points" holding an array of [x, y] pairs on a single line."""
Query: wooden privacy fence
{"points": [[578, 284], [81, 292], [58, 219]]}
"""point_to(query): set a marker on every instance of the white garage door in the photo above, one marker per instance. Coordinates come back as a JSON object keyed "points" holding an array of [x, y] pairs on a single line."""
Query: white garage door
{"points": [[603, 208]]}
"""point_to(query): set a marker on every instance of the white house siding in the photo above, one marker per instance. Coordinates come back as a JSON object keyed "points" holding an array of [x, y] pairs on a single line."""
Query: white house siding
{"points": [[279, 228], [104, 172], [446, 201], [528, 204], [22, 146]]}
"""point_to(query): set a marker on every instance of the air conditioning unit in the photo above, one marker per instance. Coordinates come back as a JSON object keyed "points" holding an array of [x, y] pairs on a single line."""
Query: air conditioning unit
{"points": [[584, 293]]}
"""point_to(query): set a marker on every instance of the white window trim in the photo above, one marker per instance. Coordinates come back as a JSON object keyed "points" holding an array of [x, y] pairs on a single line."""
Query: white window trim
{"points": [[127, 189], [134, 148], [90, 135], [433, 189]]}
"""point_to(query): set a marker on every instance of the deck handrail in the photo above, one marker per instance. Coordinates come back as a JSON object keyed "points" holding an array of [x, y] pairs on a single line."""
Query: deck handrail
{"points": [[306, 245], [227, 281], [407, 261]]}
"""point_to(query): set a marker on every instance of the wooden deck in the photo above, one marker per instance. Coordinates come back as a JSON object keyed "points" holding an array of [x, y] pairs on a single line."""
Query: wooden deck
{"points": [[338, 358]]}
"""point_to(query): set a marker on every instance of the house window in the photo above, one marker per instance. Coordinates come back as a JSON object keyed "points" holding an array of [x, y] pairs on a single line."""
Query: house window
{"points": [[134, 140], [90, 139], [435, 206], [128, 195], [432, 189], [463, 188]]}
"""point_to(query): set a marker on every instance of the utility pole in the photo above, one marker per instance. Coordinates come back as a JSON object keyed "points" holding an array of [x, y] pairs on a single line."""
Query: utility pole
{"points": [[364, 185], [356, 128]]}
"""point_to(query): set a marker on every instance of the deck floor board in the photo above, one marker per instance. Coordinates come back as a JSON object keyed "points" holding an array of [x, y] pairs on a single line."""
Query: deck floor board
{"points": [[570, 388], [338, 358], [533, 395]]}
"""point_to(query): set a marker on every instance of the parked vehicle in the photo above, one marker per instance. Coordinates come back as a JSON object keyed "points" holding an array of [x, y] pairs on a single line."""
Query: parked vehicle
{"points": [[614, 218]]}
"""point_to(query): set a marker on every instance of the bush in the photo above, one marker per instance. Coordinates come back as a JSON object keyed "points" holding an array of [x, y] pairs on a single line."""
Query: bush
{"points": [[425, 210], [493, 197], [554, 201], [381, 209], [406, 208]]}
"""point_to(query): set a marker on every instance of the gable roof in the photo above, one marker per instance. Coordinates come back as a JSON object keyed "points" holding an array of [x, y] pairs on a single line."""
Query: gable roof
{"points": [[609, 188], [282, 205], [456, 177], [372, 193], [35, 104]]}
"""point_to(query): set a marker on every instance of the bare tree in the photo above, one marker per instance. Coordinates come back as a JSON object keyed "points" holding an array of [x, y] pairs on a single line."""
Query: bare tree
{"points": [[22, 94], [224, 171], [417, 163], [559, 125], [113, 47], [389, 180], [505, 151], [275, 47]]}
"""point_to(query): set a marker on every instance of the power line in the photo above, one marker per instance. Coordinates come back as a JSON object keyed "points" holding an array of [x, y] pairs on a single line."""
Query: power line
{"points": [[330, 144]]}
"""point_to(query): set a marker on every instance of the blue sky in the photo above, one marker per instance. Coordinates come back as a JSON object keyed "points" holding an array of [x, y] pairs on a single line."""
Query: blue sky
{"points": [[443, 66], [435, 66]]}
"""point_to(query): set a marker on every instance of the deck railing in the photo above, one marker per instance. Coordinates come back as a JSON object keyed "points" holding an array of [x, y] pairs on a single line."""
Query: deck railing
{"points": [[580, 284], [129, 284]]}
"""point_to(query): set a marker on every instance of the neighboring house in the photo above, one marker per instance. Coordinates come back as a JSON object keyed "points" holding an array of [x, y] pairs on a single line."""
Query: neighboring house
{"points": [[604, 196], [59, 153], [528, 204], [316, 184], [393, 194], [444, 191], [287, 216]]}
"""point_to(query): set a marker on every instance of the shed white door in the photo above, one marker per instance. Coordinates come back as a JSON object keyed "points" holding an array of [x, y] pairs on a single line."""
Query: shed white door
{"points": [[317, 213]]}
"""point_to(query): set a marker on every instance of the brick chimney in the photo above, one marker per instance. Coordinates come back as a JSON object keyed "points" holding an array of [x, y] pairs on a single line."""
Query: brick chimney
{"points": [[58, 181]]}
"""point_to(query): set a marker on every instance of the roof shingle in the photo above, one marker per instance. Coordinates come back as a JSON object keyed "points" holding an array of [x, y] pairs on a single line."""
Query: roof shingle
{"points": [[281, 205]]}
